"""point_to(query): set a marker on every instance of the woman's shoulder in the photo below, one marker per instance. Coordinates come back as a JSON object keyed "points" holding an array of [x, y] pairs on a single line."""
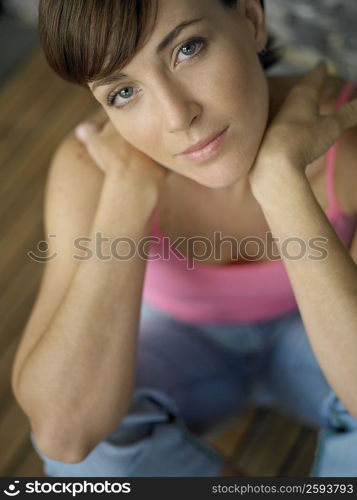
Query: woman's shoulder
{"points": [[73, 183]]}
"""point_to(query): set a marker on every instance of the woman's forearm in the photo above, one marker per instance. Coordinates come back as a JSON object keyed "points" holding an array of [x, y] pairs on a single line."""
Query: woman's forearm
{"points": [[326, 288], [77, 382]]}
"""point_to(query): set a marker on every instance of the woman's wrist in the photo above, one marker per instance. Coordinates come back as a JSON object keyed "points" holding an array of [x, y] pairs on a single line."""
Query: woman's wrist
{"points": [[277, 186], [138, 196]]}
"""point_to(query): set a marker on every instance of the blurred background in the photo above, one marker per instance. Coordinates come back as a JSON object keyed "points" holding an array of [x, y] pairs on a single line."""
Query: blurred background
{"points": [[37, 110]]}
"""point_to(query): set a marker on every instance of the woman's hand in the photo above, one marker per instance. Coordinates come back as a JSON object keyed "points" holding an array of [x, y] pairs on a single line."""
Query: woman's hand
{"points": [[298, 135], [114, 155]]}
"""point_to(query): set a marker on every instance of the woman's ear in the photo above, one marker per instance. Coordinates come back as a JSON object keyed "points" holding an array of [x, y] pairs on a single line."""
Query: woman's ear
{"points": [[255, 15]]}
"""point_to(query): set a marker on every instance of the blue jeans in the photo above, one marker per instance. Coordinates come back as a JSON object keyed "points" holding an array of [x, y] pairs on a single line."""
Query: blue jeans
{"points": [[190, 378]]}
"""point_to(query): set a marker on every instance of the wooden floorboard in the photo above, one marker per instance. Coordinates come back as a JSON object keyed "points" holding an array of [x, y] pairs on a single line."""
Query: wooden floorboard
{"points": [[37, 110], [264, 443], [30, 466], [267, 443]]}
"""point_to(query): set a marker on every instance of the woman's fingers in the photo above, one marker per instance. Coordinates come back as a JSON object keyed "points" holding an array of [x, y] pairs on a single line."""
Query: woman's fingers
{"points": [[312, 84], [315, 78], [303, 105], [329, 128], [99, 118], [92, 125], [334, 125], [303, 101], [346, 116], [85, 130], [103, 144]]}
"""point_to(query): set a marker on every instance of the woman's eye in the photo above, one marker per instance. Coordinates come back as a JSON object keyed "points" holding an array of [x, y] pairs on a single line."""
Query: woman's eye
{"points": [[121, 97], [190, 49]]}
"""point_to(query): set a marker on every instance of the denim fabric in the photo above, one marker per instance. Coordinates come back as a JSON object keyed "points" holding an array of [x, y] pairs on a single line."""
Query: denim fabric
{"points": [[190, 378], [336, 453]]}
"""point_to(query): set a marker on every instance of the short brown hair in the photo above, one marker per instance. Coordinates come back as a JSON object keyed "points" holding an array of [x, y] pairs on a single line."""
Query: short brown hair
{"points": [[86, 40]]}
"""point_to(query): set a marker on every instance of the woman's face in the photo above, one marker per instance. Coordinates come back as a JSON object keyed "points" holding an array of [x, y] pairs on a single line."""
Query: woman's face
{"points": [[205, 80]]}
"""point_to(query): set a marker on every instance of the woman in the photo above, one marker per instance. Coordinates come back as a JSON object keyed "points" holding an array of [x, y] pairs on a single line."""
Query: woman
{"points": [[128, 358]]}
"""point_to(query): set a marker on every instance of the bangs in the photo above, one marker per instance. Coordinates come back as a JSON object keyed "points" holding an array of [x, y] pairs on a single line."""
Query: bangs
{"points": [[86, 40]]}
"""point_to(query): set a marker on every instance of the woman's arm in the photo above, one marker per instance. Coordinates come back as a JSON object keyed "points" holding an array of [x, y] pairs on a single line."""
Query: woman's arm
{"points": [[75, 382], [325, 289]]}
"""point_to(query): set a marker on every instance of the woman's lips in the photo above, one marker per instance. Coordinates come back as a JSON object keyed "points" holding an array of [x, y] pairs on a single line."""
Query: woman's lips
{"points": [[209, 150]]}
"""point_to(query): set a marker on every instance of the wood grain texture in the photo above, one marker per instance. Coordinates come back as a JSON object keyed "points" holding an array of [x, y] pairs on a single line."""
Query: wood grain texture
{"points": [[37, 110]]}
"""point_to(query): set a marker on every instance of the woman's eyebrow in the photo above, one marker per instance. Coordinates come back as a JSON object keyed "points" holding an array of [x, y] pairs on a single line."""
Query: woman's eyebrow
{"points": [[169, 38], [175, 33]]}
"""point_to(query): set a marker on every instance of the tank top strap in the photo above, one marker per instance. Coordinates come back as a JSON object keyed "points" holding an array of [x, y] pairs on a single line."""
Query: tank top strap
{"points": [[334, 206]]}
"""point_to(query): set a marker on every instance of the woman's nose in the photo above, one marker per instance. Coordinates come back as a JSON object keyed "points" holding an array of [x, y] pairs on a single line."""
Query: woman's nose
{"points": [[178, 109]]}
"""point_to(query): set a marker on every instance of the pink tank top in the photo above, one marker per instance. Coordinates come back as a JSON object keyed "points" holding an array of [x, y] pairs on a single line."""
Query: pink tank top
{"points": [[244, 293]]}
